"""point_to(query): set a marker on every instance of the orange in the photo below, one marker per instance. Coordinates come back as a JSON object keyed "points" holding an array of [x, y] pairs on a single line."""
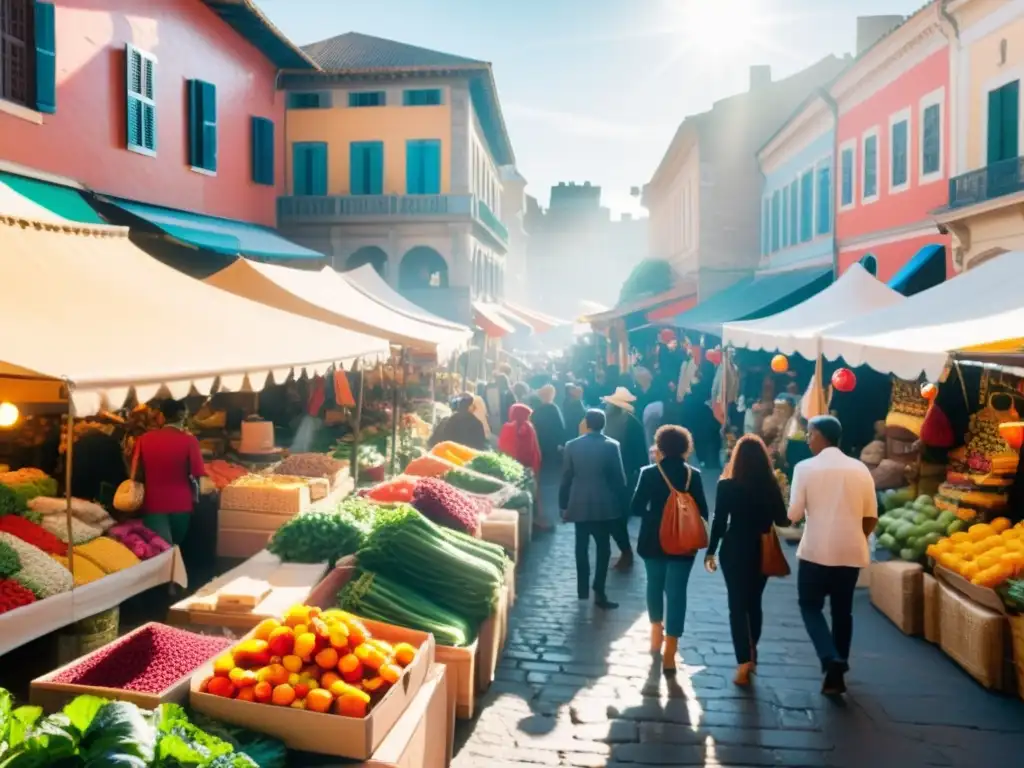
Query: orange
{"points": [[221, 686], [297, 614], [404, 654], [243, 678], [292, 663], [327, 658], [264, 628], [281, 641], [246, 694], [305, 645], [338, 638], [223, 665], [301, 689], [263, 691], [351, 706], [203, 686], [298, 704], [283, 695], [390, 673], [319, 700], [327, 679], [276, 674]]}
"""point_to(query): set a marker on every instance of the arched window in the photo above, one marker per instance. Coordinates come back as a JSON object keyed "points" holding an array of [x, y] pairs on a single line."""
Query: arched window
{"points": [[369, 254], [422, 267], [870, 263]]}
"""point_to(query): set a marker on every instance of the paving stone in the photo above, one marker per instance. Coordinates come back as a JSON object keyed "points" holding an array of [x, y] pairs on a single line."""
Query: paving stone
{"points": [[539, 666], [611, 731]]}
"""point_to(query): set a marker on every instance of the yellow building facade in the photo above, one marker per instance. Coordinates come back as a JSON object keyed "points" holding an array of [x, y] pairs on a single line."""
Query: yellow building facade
{"points": [[986, 197]]}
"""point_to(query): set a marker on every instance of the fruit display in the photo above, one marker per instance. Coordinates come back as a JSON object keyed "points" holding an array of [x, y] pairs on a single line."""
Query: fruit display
{"points": [[320, 661], [986, 554], [109, 555], [151, 659], [398, 490], [38, 571], [454, 452], [456, 571], [908, 530], [94, 731], [443, 504]]}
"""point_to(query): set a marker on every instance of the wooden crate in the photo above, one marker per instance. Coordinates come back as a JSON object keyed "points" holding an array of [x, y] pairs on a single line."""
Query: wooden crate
{"points": [[489, 640]]}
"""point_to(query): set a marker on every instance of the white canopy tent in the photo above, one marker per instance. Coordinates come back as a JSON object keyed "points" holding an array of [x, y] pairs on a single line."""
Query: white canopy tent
{"points": [[327, 296], [86, 306], [798, 330], [368, 281], [981, 309]]}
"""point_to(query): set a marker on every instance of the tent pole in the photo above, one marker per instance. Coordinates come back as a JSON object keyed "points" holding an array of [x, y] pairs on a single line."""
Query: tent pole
{"points": [[354, 468], [433, 395], [399, 365], [68, 466]]}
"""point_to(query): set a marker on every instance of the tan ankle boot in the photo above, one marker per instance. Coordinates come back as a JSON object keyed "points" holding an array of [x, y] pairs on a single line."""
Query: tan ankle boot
{"points": [[668, 658], [657, 636], [743, 672]]}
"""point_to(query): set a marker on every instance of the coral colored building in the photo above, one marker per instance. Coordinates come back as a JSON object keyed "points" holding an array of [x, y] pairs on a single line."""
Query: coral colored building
{"points": [[893, 153], [150, 102]]}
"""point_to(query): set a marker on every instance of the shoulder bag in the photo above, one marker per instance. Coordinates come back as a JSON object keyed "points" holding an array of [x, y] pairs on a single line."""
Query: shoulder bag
{"points": [[130, 494], [773, 560], [683, 531]]}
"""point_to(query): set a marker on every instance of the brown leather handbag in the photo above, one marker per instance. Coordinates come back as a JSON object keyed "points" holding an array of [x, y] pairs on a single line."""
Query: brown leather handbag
{"points": [[773, 561]]}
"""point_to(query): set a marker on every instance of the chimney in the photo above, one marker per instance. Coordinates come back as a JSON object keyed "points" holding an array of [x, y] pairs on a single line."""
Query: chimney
{"points": [[871, 29], [760, 76]]}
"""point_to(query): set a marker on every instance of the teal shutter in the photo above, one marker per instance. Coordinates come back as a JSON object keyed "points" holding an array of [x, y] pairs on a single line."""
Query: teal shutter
{"points": [[300, 169], [318, 168], [46, 57], [899, 158], [794, 213], [775, 221], [375, 150], [824, 225], [358, 171], [413, 167], [209, 139], [847, 177], [807, 206], [195, 123], [871, 166], [263, 151], [1011, 120], [995, 126], [140, 101], [932, 143], [431, 154]]}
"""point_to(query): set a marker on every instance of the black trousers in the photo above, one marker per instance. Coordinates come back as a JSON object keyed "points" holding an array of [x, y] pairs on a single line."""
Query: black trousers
{"points": [[600, 532], [837, 583], [745, 584], [620, 533]]}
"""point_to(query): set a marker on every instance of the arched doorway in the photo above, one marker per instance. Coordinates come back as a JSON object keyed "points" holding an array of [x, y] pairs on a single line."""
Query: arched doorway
{"points": [[422, 267], [870, 263], [369, 254]]}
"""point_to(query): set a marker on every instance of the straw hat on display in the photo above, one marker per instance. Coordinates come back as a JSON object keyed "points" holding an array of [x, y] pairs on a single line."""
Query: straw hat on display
{"points": [[621, 398]]}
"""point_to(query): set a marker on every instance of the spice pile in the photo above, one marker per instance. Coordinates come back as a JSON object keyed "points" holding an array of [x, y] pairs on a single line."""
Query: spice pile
{"points": [[310, 465], [443, 504], [142, 542], [149, 660]]}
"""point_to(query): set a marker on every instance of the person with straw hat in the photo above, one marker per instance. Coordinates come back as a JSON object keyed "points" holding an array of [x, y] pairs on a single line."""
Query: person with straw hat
{"points": [[624, 427]]}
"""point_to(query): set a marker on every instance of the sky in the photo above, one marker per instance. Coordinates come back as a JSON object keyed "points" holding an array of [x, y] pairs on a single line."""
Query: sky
{"points": [[593, 90]]}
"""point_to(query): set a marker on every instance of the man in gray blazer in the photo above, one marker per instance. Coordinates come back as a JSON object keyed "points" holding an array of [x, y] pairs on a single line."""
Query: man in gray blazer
{"points": [[593, 496]]}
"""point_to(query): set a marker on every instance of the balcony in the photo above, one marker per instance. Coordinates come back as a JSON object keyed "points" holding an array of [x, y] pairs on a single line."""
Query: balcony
{"points": [[361, 209], [1000, 179]]}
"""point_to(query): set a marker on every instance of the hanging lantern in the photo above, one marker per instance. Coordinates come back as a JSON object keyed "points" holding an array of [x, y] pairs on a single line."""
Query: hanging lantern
{"points": [[780, 364], [929, 391], [844, 380], [1013, 433], [714, 356], [666, 336]]}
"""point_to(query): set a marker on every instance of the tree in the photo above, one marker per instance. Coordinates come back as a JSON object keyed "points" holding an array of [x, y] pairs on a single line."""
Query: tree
{"points": [[648, 278]]}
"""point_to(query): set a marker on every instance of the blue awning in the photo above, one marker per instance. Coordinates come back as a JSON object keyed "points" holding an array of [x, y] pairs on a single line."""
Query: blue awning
{"points": [[926, 270], [224, 236], [753, 298]]}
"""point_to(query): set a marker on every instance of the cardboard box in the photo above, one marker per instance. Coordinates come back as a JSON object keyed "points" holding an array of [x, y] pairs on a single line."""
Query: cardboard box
{"points": [[489, 640], [237, 543], [983, 596], [52, 696], [327, 734], [973, 636], [897, 590], [932, 619], [461, 664], [501, 527]]}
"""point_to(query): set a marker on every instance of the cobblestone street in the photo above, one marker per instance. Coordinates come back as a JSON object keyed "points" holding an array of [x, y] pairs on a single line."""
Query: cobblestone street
{"points": [[577, 687]]}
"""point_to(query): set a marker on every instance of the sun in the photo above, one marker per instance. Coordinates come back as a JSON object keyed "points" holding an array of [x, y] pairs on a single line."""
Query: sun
{"points": [[719, 28]]}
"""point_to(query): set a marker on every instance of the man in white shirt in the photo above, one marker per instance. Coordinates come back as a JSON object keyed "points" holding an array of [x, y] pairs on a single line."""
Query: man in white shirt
{"points": [[837, 496]]}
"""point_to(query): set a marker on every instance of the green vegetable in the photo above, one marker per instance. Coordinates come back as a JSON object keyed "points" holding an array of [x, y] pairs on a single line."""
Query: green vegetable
{"points": [[263, 750], [317, 537], [955, 527], [379, 598], [499, 466], [888, 541], [410, 549], [10, 563], [1015, 593], [473, 483], [9, 502]]}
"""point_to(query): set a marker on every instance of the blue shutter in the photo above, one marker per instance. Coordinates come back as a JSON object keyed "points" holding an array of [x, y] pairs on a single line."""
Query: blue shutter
{"points": [[413, 167], [775, 221], [932, 143], [46, 57], [847, 177], [263, 151], [794, 213], [318, 168], [357, 171], [209, 139], [195, 123], [1011, 120], [376, 153], [807, 206], [824, 200], [300, 169], [899, 160], [431, 154], [870, 166]]}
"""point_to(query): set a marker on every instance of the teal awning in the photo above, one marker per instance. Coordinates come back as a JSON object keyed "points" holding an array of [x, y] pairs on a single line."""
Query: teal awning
{"points": [[926, 270], [224, 236], [64, 201], [753, 298]]}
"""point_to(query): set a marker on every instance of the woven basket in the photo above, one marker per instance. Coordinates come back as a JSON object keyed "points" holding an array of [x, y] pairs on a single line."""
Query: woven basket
{"points": [[1017, 632]]}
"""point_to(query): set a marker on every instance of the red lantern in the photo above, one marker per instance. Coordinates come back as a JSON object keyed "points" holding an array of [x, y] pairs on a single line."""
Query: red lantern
{"points": [[844, 380], [714, 356], [929, 391], [780, 364], [1013, 433], [666, 336]]}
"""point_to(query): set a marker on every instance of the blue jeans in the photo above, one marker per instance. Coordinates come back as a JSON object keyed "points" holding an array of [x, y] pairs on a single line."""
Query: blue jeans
{"points": [[838, 584], [666, 583]]}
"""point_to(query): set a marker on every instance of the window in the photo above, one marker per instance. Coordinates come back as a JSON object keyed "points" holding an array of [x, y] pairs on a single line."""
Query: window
{"points": [[899, 151], [794, 213], [848, 162], [766, 227], [869, 192], [870, 263], [1004, 122], [202, 138], [310, 100], [366, 168], [263, 151], [423, 167], [421, 97], [807, 206], [824, 215], [309, 168], [140, 74], [931, 140], [28, 54], [775, 221], [785, 217], [367, 99]]}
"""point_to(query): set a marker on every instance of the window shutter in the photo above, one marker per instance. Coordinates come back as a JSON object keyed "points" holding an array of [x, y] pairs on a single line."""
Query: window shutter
{"points": [[46, 57], [263, 151], [300, 169], [847, 177], [318, 163], [357, 169], [195, 123], [376, 163], [432, 167], [932, 139], [995, 126], [1011, 120], [413, 166], [209, 137]]}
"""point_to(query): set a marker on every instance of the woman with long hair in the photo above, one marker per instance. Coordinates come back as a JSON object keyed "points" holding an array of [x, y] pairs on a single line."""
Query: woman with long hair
{"points": [[748, 504]]}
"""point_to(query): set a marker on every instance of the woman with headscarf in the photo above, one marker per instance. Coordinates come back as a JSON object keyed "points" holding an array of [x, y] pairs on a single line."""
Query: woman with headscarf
{"points": [[518, 439], [547, 420], [461, 427]]}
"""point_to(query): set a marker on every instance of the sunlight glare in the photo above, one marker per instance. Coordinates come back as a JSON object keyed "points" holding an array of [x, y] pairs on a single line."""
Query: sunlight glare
{"points": [[718, 28]]}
